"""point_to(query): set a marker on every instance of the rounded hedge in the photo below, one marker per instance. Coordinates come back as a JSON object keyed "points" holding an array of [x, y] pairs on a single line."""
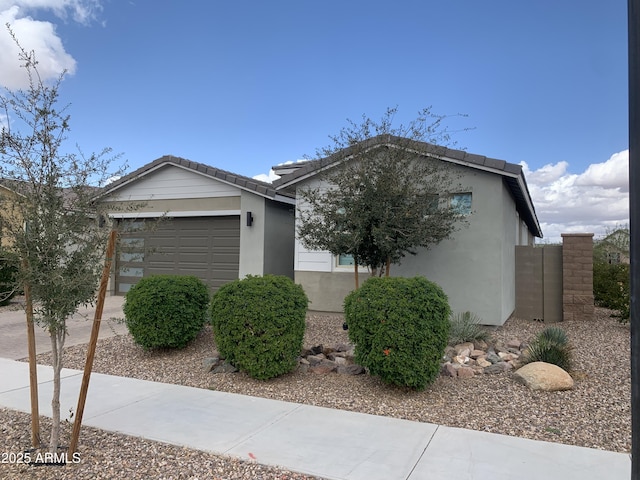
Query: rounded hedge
{"points": [[166, 311], [400, 328], [258, 324]]}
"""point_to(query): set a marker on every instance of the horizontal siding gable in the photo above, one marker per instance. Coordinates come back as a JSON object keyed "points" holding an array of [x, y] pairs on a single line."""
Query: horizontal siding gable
{"points": [[312, 260], [173, 182]]}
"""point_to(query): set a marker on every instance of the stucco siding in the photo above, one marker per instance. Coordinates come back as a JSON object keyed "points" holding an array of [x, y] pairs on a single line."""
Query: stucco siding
{"points": [[279, 239], [326, 290], [252, 237], [470, 267], [511, 223]]}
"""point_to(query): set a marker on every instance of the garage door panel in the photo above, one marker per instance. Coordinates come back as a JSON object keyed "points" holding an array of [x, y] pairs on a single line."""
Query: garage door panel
{"points": [[207, 247], [226, 259]]}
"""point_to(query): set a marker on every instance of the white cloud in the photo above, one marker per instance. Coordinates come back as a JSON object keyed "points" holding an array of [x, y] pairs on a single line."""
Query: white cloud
{"points": [[81, 11], [593, 201], [39, 36], [269, 178]]}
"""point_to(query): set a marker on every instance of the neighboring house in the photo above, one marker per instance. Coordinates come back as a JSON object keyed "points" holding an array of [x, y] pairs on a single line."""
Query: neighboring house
{"points": [[8, 213], [476, 268], [215, 225], [614, 248]]}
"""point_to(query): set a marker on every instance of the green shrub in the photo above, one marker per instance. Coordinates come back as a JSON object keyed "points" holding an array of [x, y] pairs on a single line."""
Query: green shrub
{"points": [[611, 287], [466, 327], [166, 311], [400, 328], [550, 346], [259, 324], [8, 277]]}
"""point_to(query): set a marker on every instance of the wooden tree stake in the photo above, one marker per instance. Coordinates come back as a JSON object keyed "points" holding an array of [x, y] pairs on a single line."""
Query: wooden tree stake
{"points": [[102, 291], [33, 367]]}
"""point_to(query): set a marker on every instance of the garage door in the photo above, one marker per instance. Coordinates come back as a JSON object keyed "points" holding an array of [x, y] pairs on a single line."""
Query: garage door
{"points": [[206, 247]]}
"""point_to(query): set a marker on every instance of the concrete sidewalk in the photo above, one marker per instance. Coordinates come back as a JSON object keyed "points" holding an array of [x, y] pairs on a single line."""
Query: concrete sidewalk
{"points": [[13, 329], [328, 443]]}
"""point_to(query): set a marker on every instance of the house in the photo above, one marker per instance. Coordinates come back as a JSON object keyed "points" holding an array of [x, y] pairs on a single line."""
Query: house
{"points": [[213, 224], [8, 214], [476, 268], [614, 247]]}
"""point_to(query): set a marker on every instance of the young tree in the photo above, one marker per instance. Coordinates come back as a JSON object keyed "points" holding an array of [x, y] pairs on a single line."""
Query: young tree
{"points": [[385, 194], [52, 223]]}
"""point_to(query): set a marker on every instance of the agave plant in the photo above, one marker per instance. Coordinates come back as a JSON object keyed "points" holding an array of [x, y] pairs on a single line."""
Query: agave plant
{"points": [[466, 327], [550, 346]]}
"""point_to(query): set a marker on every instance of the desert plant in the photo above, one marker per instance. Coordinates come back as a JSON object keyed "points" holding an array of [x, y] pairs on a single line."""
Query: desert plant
{"points": [[400, 328], [466, 327], [611, 287], [550, 346], [258, 324], [166, 311]]}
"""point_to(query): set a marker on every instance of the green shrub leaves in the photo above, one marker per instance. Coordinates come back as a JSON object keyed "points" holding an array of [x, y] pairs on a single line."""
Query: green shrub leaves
{"points": [[550, 346], [166, 311], [400, 328], [259, 324]]}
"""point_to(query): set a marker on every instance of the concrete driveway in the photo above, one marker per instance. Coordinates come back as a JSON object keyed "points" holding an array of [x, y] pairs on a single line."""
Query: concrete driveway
{"points": [[13, 329]]}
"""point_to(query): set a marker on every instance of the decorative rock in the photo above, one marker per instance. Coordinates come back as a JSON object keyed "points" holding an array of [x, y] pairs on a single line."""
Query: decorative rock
{"points": [[460, 359], [493, 358], [508, 357], [514, 344], [209, 363], [476, 353], [465, 372], [544, 376], [350, 369], [461, 347], [334, 355], [324, 367], [315, 359], [480, 345], [225, 367], [449, 370], [497, 368], [317, 349], [483, 362]]}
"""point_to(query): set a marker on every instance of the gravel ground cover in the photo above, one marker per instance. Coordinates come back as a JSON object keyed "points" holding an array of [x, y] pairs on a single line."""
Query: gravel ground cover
{"points": [[595, 414]]}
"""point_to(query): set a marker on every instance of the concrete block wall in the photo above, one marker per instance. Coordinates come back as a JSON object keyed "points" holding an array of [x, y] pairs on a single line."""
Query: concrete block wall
{"points": [[577, 276]]}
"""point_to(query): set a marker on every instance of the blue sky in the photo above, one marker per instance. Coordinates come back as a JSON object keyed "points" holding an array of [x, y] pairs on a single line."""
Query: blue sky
{"points": [[245, 85]]}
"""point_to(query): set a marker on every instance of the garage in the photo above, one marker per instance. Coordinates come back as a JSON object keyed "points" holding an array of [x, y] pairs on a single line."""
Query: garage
{"points": [[206, 247]]}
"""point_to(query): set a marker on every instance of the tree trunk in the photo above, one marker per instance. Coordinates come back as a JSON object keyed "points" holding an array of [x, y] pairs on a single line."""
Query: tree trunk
{"points": [[355, 272], [57, 343], [388, 267]]}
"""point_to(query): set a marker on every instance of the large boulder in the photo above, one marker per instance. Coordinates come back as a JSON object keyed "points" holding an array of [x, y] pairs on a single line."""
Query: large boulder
{"points": [[544, 376]]}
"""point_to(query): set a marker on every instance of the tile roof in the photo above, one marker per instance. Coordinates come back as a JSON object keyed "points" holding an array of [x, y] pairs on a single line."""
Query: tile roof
{"points": [[512, 173]]}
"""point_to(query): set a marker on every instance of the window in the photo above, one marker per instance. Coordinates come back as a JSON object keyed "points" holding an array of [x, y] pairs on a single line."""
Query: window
{"points": [[613, 258], [461, 202], [344, 260]]}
